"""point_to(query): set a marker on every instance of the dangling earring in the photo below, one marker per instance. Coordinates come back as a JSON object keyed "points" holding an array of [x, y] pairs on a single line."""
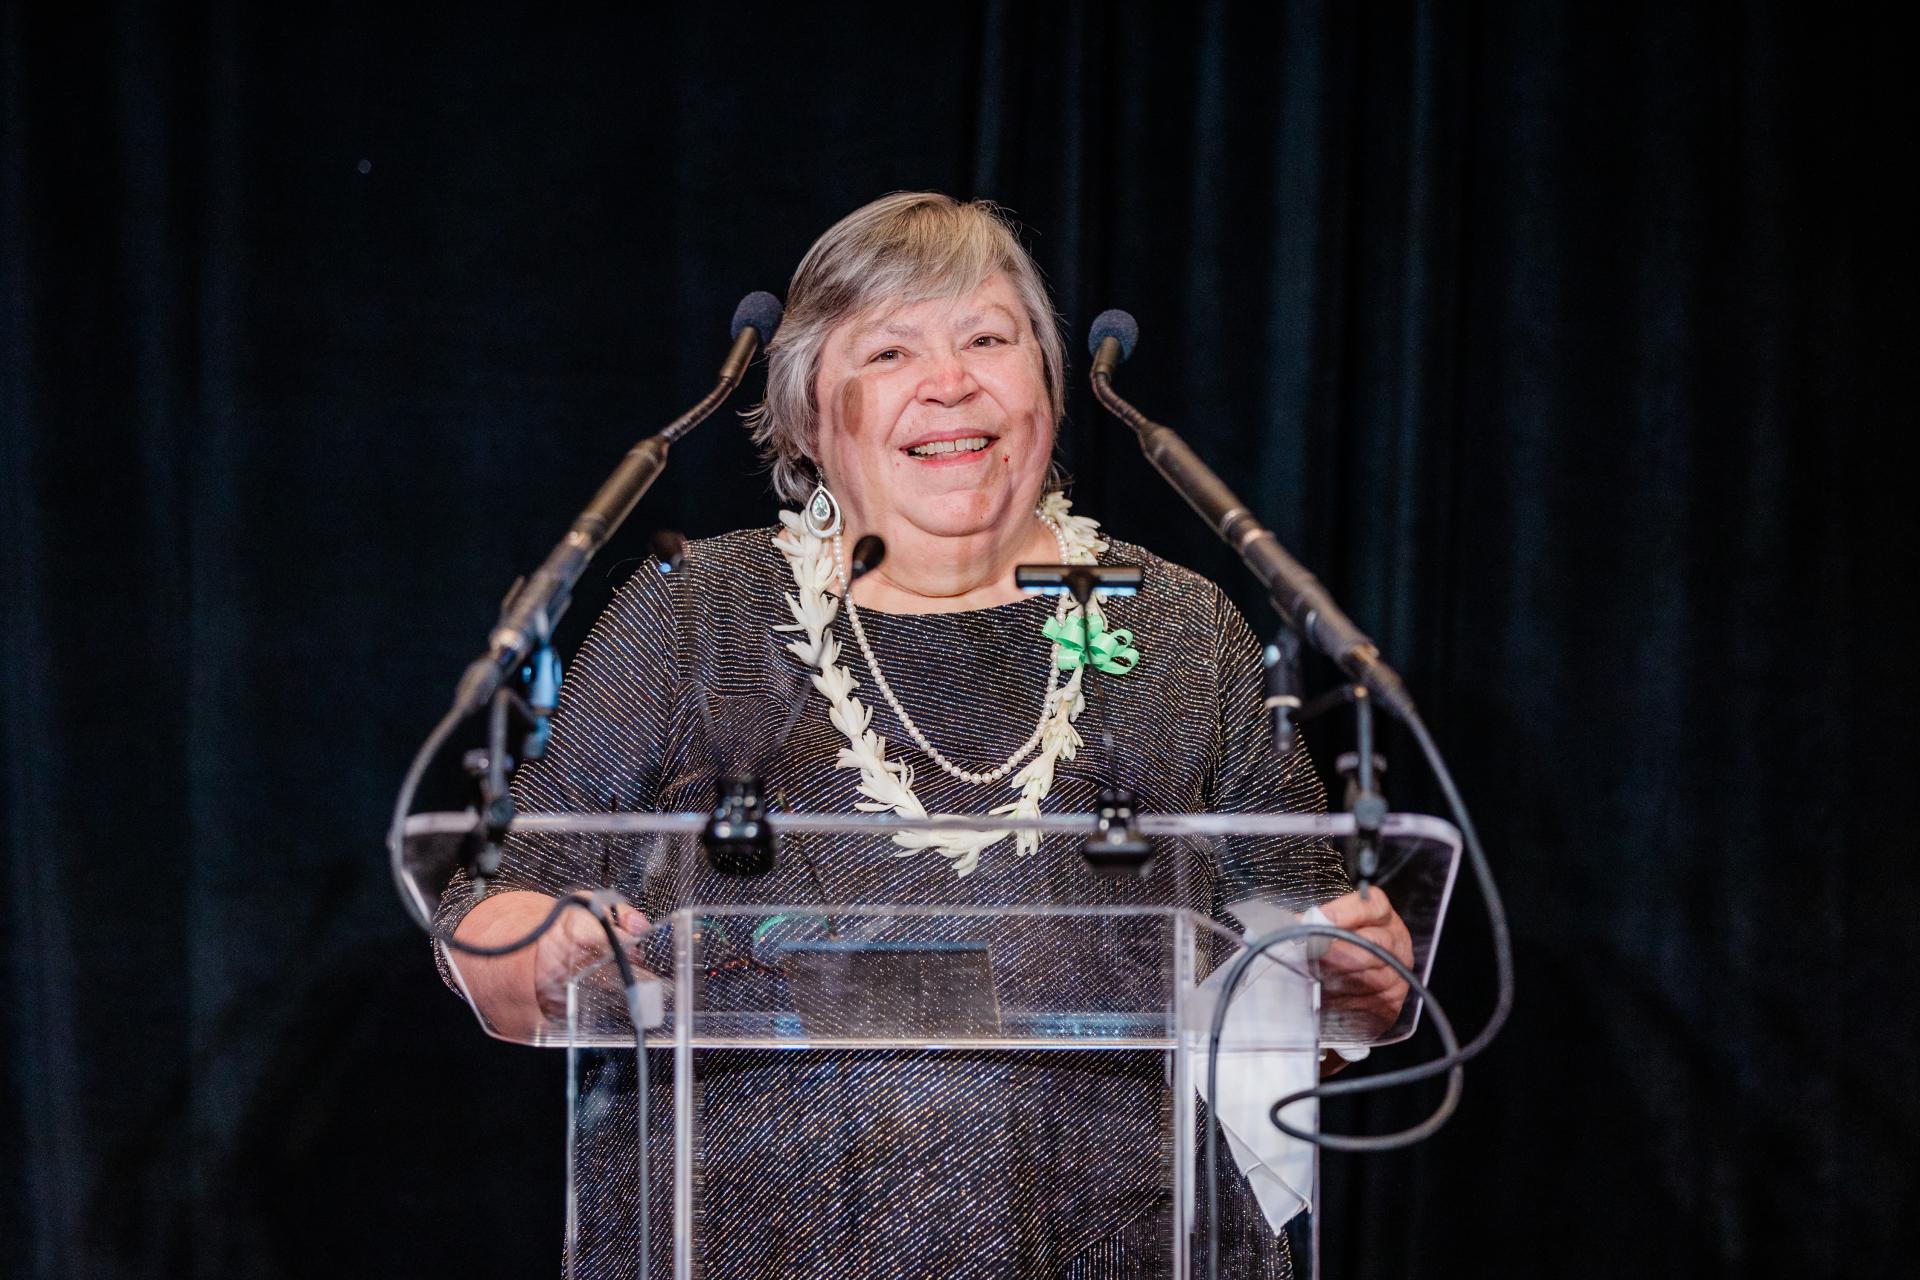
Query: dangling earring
{"points": [[823, 512]]}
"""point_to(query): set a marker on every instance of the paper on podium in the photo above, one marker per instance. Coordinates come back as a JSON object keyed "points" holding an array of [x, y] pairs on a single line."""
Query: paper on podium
{"points": [[1279, 1168]]}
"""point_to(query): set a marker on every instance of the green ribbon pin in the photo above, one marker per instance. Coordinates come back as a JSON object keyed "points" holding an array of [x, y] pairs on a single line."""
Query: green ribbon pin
{"points": [[1110, 651]]}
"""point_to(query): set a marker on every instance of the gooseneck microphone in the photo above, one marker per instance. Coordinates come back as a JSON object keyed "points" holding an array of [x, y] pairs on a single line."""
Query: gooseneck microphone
{"points": [[1296, 593], [534, 607], [1311, 614]]}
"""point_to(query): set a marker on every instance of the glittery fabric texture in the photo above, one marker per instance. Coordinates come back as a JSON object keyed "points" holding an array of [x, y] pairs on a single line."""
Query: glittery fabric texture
{"points": [[1010, 1164]]}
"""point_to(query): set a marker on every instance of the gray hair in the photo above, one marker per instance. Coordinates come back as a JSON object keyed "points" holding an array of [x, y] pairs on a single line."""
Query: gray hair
{"points": [[903, 248]]}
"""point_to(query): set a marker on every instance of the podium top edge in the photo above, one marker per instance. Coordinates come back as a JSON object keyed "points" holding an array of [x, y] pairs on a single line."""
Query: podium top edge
{"points": [[1326, 825]]}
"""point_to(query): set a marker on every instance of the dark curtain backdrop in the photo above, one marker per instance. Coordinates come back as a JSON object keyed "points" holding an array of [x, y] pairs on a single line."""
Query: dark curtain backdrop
{"points": [[1560, 340]]}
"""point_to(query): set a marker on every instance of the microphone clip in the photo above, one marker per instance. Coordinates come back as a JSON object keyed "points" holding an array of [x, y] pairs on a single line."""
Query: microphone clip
{"points": [[491, 767], [1117, 848], [1361, 768], [738, 839]]}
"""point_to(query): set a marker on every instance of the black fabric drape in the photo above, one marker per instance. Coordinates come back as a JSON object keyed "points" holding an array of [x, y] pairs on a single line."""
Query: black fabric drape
{"points": [[1562, 342]]}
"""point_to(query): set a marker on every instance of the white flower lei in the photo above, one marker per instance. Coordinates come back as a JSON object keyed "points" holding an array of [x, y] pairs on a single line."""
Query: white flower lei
{"points": [[888, 784]]}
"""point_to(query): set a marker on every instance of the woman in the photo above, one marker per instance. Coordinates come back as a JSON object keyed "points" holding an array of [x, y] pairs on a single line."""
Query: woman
{"points": [[914, 391]]}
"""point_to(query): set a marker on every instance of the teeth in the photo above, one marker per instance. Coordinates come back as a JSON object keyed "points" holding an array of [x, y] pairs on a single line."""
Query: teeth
{"points": [[968, 445]]}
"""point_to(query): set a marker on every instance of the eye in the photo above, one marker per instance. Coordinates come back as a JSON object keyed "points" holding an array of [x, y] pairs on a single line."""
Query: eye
{"points": [[989, 340], [890, 356]]}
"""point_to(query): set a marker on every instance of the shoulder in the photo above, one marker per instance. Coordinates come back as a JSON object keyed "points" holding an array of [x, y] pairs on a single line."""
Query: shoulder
{"points": [[738, 573], [750, 550], [721, 578], [710, 571], [1175, 592]]}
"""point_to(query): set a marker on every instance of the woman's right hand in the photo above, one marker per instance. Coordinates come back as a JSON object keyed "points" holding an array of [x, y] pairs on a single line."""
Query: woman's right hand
{"points": [[576, 942], [525, 992]]}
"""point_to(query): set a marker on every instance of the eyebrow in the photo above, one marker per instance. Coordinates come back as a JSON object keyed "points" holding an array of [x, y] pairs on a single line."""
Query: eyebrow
{"points": [[894, 329]]}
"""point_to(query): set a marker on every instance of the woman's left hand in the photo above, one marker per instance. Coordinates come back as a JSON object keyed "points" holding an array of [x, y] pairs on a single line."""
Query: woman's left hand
{"points": [[1354, 981]]}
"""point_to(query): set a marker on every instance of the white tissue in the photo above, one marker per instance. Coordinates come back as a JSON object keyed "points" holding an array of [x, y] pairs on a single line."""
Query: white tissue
{"points": [[1269, 1008]]}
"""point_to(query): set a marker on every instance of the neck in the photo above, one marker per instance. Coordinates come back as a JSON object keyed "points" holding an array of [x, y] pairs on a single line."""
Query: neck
{"points": [[933, 573]]}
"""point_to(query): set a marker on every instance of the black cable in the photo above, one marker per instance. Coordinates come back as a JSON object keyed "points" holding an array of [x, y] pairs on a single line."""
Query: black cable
{"points": [[1497, 925], [630, 986], [584, 901], [1502, 951], [1449, 1062], [403, 804], [1483, 876], [403, 880], [1304, 604]]}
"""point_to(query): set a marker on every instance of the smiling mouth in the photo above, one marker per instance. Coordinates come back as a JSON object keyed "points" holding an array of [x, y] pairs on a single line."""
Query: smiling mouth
{"points": [[949, 448]]}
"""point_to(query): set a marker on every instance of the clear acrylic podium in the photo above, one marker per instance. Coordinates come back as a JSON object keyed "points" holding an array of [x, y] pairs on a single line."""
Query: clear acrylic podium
{"points": [[836, 1086]]}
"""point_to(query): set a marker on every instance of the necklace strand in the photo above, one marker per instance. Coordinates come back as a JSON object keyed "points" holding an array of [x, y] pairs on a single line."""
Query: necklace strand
{"points": [[886, 786], [977, 778]]}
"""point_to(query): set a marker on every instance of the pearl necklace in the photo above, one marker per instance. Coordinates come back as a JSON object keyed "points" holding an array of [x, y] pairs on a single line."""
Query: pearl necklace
{"points": [[887, 785], [906, 721]]}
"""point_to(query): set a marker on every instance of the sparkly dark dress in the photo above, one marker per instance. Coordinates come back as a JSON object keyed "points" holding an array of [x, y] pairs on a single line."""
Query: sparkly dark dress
{"points": [[825, 1166]]}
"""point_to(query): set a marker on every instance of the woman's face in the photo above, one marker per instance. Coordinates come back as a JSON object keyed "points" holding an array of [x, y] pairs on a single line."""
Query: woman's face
{"points": [[936, 414]]}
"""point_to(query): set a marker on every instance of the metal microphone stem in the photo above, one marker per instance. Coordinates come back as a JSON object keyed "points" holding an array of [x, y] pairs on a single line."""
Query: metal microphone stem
{"points": [[1296, 593], [535, 607]]}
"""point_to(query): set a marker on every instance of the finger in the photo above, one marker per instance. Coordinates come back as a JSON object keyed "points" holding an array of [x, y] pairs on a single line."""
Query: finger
{"points": [[630, 929], [1391, 936], [1345, 955], [1349, 959], [1351, 911], [1374, 998], [1402, 942], [1362, 982], [1381, 926], [631, 922], [586, 941], [1369, 1016]]}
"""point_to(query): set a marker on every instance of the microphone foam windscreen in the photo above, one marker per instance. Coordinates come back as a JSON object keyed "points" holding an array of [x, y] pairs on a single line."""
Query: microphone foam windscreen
{"points": [[1113, 324], [761, 310], [867, 554], [670, 549]]}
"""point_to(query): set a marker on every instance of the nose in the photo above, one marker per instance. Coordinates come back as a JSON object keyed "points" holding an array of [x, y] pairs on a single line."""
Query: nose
{"points": [[947, 382]]}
